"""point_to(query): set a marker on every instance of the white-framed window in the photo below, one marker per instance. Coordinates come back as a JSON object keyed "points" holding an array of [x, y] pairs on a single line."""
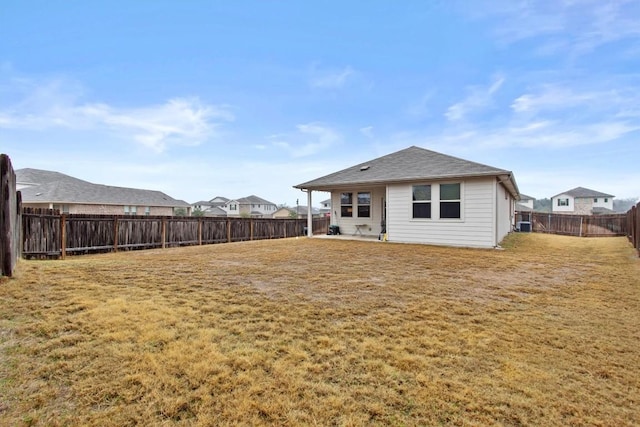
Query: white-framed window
{"points": [[233, 207], [130, 210], [421, 199], [147, 210], [364, 204], [595, 200], [563, 202], [606, 200], [450, 201], [346, 204]]}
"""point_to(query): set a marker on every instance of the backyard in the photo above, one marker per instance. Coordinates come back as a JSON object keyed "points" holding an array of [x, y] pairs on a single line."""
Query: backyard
{"points": [[326, 332]]}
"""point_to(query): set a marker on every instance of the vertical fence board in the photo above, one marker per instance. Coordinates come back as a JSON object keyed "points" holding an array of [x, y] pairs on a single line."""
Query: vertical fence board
{"points": [[10, 227]]}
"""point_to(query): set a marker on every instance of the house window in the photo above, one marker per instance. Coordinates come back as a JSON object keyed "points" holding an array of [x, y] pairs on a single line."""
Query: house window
{"points": [[422, 201], [346, 204], [595, 200], [563, 202], [147, 211], [364, 205], [233, 207], [606, 200], [130, 210], [450, 200]]}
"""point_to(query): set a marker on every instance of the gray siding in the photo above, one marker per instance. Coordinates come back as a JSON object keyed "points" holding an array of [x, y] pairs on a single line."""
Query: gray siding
{"points": [[476, 228]]}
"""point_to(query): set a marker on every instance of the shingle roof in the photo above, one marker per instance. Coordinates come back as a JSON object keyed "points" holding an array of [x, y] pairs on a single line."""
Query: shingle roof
{"points": [[411, 164], [255, 200], [583, 193], [525, 197], [54, 187]]}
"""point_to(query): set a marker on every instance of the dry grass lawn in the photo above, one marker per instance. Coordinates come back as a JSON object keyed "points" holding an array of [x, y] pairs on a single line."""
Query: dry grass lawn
{"points": [[326, 332]]}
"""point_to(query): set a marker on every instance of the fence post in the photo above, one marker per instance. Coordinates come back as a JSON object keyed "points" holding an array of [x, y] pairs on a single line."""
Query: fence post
{"points": [[6, 238], [580, 232], [251, 229], [63, 236], [164, 232], [228, 230], [200, 231], [115, 233]]}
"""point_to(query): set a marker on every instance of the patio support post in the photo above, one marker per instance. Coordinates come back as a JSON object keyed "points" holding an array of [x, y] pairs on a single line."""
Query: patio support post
{"points": [[309, 215]]}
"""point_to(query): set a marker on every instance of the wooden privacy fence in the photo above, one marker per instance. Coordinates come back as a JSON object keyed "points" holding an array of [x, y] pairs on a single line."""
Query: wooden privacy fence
{"points": [[9, 218], [633, 221], [578, 225], [48, 234]]}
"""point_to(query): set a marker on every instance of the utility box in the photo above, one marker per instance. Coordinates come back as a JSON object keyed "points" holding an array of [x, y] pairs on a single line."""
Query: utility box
{"points": [[524, 226]]}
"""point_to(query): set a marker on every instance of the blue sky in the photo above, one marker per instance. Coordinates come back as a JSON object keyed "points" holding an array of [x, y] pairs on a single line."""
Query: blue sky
{"points": [[205, 98]]}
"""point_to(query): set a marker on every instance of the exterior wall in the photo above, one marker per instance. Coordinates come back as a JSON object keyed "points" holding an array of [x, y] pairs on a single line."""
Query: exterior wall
{"points": [[267, 211], [475, 228], [582, 206], [505, 214], [527, 202], [372, 225], [603, 202], [562, 209], [282, 213]]}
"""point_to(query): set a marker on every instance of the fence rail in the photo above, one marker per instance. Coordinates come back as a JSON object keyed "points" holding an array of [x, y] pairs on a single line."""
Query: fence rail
{"points": [[49, 234]]}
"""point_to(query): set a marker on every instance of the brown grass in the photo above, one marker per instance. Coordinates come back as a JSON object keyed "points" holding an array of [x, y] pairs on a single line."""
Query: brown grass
{"points": [[326, 332]]}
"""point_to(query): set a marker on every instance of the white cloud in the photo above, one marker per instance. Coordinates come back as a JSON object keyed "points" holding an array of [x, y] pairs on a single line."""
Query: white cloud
{"points": [[57, 104], [331, 79], [367, 131], [544, 134], [479, 98], [573, 27], [553, 97], [309, 139]]}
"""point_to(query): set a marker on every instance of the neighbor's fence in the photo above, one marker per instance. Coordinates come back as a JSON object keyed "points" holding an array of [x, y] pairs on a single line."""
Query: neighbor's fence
{"points": [[48, 234], [633, 220], [577, 225], [9, 218]]}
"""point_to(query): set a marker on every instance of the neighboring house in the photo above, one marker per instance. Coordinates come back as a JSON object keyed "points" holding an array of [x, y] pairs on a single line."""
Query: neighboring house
{"points": [[54, 190], [525, 204], [582, 201], [250, 206], [211, 207], [325, 207], [299, 212], [421, 196]]}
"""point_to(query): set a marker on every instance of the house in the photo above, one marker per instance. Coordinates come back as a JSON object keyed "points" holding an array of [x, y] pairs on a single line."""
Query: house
{"points": [[582, 201], [250, 206], [297, 212], [325, 207], [525, 204], [420, 196], [54, 190], [211, 207]]}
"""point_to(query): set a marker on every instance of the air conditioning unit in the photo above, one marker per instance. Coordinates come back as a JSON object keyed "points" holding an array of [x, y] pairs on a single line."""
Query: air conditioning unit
{"points": [[523, 226]]}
